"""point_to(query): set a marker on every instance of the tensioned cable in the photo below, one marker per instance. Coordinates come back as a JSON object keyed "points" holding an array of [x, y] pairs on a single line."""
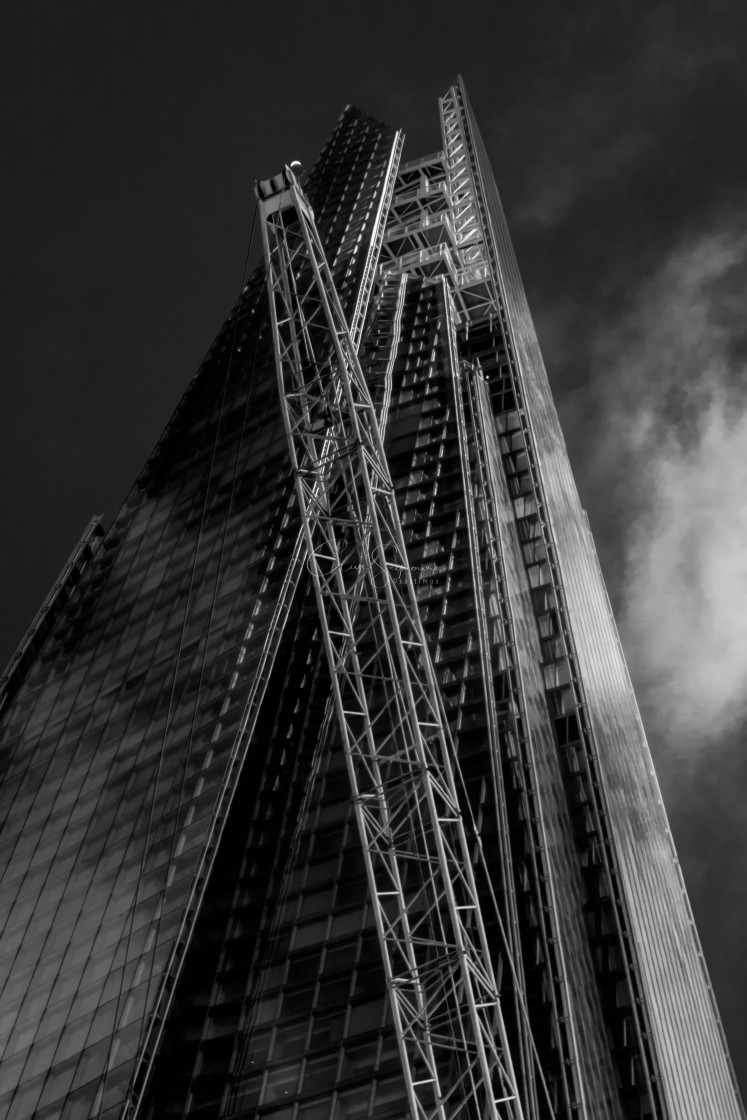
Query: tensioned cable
{"points": [[167, 724]]}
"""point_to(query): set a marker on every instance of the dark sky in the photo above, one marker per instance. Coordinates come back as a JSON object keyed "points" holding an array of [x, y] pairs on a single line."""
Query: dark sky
{"points": [[617, 134]]}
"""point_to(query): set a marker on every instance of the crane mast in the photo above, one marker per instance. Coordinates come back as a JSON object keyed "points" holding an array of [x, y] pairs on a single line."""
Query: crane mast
{"points": [[399, 752]]}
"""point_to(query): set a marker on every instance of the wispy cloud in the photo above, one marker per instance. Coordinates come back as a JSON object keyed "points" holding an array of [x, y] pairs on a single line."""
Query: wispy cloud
{"points": [[629, 108], [672, 454]]}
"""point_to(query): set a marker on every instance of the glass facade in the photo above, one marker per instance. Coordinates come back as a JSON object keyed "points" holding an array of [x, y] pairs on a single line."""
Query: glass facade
{"points": [[185, 928]]}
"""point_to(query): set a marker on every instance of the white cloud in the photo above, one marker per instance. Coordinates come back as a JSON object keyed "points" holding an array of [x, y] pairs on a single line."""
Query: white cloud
{"points": [[685, 621], [673, 397]]}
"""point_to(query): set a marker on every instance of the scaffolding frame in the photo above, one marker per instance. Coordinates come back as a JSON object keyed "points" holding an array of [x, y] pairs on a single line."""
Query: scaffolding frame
{"points": [[440, 981]]}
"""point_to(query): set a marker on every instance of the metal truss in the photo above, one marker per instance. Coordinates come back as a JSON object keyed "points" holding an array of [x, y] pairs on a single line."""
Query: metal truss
{"points": [[468, 229], [389, 306], [443, 993], [432, 231], [371, 265]]}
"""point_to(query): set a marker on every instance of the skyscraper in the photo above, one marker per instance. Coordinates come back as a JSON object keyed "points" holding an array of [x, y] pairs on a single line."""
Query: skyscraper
{"points": [[189, 928]]}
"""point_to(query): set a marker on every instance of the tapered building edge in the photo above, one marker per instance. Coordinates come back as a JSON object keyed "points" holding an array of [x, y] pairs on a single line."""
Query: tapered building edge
{"points": [[689, 1053]]}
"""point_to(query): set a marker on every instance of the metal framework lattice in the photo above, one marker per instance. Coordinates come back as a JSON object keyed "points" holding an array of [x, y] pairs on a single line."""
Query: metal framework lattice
{"points": [[443, 992], [468, 228]]}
